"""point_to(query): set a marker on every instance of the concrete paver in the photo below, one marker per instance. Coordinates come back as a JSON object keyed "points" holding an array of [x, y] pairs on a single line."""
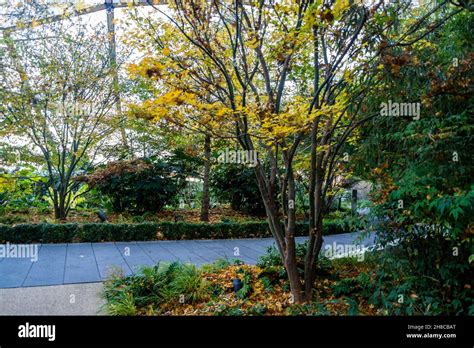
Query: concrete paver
{"points": [[77, 263]]}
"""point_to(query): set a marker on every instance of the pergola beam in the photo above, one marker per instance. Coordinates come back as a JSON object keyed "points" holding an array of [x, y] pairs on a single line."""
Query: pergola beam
{"points": [[88, 10]]}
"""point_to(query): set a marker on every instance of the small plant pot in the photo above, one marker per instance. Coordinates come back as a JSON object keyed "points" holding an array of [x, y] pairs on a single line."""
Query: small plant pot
{"points": [[237, 284]]}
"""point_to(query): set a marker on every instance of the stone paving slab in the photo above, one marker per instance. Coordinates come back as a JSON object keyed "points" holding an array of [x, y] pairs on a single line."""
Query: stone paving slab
{"points": [[13, 271], [226, 251], [108, 259], [157, 252], [134, 255], [76, 263], [49, 269], [81, 264]]}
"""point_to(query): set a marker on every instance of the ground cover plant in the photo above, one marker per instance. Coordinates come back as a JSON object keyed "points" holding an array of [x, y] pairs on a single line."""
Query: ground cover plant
{"points": [[346, 287]]}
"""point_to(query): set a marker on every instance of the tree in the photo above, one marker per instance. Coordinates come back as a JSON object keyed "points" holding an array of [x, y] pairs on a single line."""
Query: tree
{"points": [[189, 121], [423, 169], [255, 60], [57, 91]]}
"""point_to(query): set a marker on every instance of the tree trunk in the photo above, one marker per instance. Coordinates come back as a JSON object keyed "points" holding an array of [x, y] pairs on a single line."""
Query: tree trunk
{"points": [[291, 262], [285, 240], [296, 286], [205, 184], [60, 212], [315, 231], [60, 209]]}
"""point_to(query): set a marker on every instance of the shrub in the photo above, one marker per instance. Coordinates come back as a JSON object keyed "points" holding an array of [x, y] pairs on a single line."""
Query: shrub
{"points": [[424, 193], [138, 186], [22, 190], [183, 280], [272, 264], [343, 225], [273, 259], [236, 184], [102, 232], [432, 274], [153, 288]]}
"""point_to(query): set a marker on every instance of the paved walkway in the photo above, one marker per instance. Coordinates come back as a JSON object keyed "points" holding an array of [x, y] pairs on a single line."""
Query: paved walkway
{"points": [[70, 299], [76, 263]]}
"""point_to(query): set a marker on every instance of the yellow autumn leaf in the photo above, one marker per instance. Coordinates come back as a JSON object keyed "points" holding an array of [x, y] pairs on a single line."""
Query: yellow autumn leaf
{"points": [[340, 6], [253, 43], [80, 5]]}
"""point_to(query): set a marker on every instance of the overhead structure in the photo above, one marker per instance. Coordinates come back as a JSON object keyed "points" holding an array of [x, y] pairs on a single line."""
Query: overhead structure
{"points": [[74, 12], [108, 6]]}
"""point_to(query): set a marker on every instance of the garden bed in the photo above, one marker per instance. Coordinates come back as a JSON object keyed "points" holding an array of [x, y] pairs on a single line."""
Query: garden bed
{"points": [[36, 216], [179, 289]]}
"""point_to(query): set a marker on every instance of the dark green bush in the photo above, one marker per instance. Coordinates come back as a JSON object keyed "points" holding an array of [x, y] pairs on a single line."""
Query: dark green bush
{"points": [[100, 232], [62, 232], [430, 271], [342, 225], [138, 186], [272, 264], [236, 184], [424, 194]]}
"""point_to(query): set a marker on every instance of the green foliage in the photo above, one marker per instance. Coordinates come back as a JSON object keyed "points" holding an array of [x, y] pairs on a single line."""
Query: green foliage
{"points": [[101, 232], [343, 225], [431, 277], [312, 309], [347, 286], [140, 185], [272, 264], [401, 284], [236, 184], [246, 289], [267, 283], [216, 265], [229, 311], [185, 281], [22, 189], [122, 304], [423, 168], [152, 287]]}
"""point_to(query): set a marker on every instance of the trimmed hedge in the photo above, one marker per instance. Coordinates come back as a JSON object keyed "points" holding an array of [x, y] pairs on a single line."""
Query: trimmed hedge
{"points": [[102, 232]]}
